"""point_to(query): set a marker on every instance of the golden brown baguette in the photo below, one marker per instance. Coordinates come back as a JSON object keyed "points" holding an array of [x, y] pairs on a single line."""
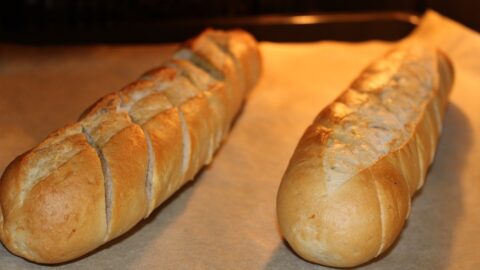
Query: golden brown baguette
{"points": [[347, 191], [93, 180]]}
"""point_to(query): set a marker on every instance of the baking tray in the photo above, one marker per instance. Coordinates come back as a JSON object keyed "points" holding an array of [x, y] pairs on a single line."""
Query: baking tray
{"points": [[278, 28]]}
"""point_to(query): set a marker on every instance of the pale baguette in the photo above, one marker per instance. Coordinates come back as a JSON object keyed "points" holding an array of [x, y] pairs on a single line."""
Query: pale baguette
{"points": [[93, 180], [347, 191]]}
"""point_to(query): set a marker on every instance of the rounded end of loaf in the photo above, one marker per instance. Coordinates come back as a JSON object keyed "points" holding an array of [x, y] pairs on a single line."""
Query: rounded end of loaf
{"points": [[342, 229], [249, 56], [346, 227], [41, 227], [244, 48]]}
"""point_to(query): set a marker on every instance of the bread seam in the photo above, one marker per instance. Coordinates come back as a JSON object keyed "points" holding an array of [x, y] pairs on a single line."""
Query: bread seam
{"points": [[206, 65], [382, 216], [150, 153], [107, 179], [187, 155], [235, 61], [185, 74], [186, 138], [149, 174], [421, 163], [159, 87], [200, 62]]}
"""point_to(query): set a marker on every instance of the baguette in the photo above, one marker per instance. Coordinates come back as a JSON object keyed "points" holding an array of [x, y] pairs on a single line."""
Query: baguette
{"points": [[347, 190], [93, 180]]}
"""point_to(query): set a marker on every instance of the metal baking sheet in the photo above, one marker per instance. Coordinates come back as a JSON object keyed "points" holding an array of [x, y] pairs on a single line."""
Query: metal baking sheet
{"points": [[350, 26]]}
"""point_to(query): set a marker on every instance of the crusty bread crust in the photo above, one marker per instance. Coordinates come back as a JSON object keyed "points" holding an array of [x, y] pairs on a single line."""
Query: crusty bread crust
{"points": [[94, 180], [347, 190], [63, 214]]}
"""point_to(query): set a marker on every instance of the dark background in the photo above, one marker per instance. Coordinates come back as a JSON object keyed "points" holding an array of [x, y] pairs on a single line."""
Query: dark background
{"points": [[133, 21]]}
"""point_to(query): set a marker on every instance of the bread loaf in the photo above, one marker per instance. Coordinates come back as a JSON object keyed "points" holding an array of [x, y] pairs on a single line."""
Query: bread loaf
{"points": [[347, 190], [93, 180]]}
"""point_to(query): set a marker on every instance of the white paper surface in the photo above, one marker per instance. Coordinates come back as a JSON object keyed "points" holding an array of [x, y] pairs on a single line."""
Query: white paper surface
{"points": [[225, 219]]}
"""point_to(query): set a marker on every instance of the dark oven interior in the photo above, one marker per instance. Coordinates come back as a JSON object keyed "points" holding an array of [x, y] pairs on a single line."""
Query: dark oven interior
{"points": [[152, 21]]}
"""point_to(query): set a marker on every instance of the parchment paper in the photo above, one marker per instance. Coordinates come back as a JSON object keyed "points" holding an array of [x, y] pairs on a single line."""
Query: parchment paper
{"points": [[225, 219]]}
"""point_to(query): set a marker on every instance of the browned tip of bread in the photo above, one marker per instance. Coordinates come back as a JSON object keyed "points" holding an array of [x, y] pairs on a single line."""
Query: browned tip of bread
{"points": [[42, 227], [350, 228], [215, 57], [243, 49], [343, 229]]}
